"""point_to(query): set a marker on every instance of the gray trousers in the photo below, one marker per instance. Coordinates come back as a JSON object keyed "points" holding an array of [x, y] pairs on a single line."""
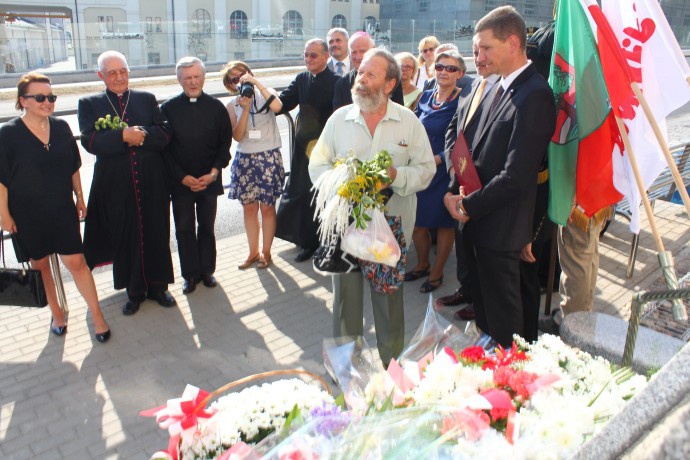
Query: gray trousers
{"points": [[348, 314]]}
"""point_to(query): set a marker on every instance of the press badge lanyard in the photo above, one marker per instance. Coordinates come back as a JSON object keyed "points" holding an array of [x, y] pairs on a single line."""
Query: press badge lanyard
{"points": [[253, 133]]}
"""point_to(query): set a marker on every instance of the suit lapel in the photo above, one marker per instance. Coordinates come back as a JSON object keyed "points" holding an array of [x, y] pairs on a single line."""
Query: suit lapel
{"points": [[487, 118], [468, 105]]}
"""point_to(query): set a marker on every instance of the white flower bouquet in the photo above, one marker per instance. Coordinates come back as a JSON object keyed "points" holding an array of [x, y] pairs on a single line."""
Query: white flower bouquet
{"points": [[236, 421], [533, 401]]}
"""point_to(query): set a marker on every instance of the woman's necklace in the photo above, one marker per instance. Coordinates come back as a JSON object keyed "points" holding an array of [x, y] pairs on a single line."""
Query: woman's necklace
{"points": [[33, 127], [122, 117], [436, 105]]}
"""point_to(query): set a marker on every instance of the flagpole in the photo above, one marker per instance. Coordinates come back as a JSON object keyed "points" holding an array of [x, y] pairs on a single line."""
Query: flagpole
{"points": [[665, 258], [640, 185], [664, 147]]}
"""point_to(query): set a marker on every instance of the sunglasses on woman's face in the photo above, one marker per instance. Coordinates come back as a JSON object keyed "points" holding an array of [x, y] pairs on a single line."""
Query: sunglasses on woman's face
{"points": [[236, 80], [447, 68], [426, 50], [41, 97]]}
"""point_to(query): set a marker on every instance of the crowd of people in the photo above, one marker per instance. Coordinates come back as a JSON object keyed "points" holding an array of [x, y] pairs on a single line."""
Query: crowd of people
{"points": [[352, 97]]}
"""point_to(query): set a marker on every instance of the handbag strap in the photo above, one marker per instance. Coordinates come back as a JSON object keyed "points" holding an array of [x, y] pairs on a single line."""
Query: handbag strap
{"points": [[24, 265], [2, 248]]}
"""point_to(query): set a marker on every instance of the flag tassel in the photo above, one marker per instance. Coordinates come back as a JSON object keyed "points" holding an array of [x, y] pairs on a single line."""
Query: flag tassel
{"points": [[664, 147]]}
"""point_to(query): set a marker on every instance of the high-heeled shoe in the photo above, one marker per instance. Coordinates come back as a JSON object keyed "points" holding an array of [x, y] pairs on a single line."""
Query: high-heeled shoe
{"points": [[430, 285], [103, 337], [57, 330]]}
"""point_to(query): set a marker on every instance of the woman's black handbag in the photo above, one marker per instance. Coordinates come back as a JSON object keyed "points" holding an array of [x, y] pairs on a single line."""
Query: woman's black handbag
{"points": [[20, 287]]}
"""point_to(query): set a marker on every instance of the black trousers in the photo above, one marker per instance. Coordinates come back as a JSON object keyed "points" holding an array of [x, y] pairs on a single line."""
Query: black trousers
{"points": [[462, 272], [531, 292], [196, 246], [495, 283]]}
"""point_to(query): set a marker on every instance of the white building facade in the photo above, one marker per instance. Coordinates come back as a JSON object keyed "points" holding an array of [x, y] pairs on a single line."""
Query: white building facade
{"points": [[151, 32]]}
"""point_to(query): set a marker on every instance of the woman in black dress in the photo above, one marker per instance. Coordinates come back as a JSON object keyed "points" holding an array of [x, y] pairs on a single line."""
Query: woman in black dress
{"points": [[39, 170]]}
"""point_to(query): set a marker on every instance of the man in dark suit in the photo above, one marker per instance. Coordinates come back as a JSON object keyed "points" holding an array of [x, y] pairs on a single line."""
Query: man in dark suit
{"points": [[466, 119], [359, 43], [128, 219], [311, 90], [508, 148]]}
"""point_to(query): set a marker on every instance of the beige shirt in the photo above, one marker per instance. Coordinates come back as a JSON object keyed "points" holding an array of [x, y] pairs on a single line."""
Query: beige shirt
{"points": [[401, 134]]}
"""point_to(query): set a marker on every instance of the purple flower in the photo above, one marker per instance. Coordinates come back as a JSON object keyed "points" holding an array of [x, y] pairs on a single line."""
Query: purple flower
{"points": [[330, 419]]}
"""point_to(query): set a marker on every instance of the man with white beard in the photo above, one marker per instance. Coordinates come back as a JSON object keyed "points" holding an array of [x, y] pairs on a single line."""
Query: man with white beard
{"points": [[371, 124]]}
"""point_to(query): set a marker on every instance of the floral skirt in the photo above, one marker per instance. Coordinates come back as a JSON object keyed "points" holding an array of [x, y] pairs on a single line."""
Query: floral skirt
{"points": [[257, 177]]}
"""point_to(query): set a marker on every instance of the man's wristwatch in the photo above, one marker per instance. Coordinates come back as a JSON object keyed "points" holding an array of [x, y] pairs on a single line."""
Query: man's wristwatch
{"points": [[214, 174]]}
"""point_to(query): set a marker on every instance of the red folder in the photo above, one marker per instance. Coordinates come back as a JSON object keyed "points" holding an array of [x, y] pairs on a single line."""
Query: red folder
{"points": [[465, 172]]}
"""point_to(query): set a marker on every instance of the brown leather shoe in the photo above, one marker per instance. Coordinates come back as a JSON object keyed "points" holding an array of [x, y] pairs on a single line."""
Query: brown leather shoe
{"points": [[453, 300], [466, 314]]}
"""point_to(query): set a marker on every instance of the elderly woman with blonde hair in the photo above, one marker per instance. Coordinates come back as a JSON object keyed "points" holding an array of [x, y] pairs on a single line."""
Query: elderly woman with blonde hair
{"points": [[427, 47], [435, 110]]}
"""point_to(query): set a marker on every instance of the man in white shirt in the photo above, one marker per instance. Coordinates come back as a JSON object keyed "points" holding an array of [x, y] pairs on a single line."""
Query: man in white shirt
{"points": [[339, 62], [371, 124]]}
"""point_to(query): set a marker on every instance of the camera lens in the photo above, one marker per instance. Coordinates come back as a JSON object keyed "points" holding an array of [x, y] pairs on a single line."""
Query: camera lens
{"points": [[247, 89]]}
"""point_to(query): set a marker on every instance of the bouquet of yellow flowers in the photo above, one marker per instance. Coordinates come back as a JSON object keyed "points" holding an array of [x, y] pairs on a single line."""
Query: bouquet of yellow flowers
{"points": [[348, 190], [355, 191]]}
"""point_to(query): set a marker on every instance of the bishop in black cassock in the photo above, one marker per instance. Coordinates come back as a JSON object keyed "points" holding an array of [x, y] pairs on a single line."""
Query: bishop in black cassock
{"points": [[128, 221]]}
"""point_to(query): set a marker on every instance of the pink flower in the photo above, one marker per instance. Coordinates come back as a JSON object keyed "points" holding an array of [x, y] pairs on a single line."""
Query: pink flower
{"points": [[520, 382], [501, 403], [297, 451], [472, 423], [503, 376], [541, 382]]}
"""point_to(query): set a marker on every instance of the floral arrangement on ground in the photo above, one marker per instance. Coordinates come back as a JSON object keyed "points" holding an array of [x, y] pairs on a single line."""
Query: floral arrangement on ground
{"points": [[540, 400]]}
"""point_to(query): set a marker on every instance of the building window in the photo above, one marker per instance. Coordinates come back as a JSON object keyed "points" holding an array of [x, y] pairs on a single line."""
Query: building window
{"points": [[239, 55], [423, 6], [530, 7], [370, 25], [397, 8], [292, 24], [201, 22], [154, 58], [238, 24], [339, 21]]}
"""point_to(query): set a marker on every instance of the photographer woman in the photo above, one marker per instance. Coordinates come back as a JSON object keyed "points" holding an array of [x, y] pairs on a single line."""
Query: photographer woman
{"points": [[39, 170], [257, 173]]}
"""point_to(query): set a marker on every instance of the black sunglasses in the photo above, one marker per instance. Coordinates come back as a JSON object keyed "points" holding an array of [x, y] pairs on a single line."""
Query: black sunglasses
{"points": [[236, 80], [426, 50], [448, 68], [42, 97]]}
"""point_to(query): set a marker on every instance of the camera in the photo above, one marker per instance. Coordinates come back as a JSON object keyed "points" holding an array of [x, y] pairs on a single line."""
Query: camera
{"points": [[247, 89]]}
